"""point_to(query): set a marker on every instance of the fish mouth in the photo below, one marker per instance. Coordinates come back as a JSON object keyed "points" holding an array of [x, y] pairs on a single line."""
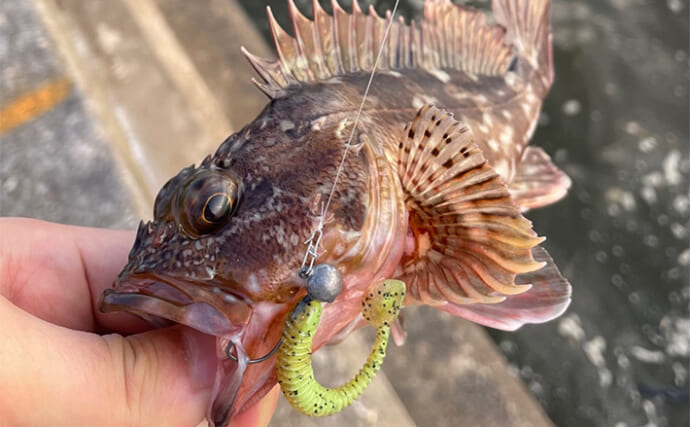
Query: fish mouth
{"points": [[207, 307]]}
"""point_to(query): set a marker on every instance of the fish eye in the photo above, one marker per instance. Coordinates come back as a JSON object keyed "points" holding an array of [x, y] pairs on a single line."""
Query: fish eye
{"points": [[217, 207], [207, 202]]}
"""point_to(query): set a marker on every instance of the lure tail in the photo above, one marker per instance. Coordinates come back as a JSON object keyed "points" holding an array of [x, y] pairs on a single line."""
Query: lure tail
{"points": [[295, 372]]}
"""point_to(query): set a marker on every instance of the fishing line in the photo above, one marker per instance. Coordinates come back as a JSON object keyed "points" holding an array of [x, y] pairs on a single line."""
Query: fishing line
{"points": [[311, 254], [323, 284], [315, 239]]}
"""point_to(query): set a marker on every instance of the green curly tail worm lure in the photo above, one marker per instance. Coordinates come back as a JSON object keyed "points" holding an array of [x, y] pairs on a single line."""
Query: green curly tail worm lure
{"points": [[295, 372]]}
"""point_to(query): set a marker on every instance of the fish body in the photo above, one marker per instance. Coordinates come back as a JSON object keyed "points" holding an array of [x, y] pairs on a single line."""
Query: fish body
{"points": [[431, 189]]}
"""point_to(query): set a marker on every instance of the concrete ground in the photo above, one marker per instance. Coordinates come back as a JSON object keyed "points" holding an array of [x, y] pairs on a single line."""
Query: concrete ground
{"points": [[102, 101]]}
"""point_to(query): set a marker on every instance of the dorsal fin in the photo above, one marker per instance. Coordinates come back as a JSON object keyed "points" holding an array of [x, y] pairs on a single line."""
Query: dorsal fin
{"points": [[449, 37], [470, 238]]}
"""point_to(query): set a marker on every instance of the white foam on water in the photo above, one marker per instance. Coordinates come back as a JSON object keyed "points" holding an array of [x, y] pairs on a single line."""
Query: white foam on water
{"points": [[671, 167], [572, 107], [647, 356], [571, 328], [650, 411], [676, 332], [594, 350]]}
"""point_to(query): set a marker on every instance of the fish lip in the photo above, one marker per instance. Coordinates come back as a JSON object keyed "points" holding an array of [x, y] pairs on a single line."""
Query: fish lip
{"points": [[207, 307]]}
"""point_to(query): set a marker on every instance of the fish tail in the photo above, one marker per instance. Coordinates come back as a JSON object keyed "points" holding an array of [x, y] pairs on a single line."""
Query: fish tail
{"points": [[528, 29]]}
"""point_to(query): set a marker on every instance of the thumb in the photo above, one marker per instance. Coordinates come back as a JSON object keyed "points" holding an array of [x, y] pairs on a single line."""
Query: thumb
{"points": [[51, 375]]}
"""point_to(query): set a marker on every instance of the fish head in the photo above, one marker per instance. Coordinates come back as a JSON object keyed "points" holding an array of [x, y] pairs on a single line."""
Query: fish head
{"points": [[225, 236], [223, 251]]}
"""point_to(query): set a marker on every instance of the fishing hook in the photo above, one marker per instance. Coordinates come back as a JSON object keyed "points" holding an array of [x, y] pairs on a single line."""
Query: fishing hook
{"points": [[252, 361]]}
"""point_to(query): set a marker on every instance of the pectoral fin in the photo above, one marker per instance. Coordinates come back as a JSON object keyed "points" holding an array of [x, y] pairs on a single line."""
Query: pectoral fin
{"points": [[538, 181], [547, 299], [470, 237]]}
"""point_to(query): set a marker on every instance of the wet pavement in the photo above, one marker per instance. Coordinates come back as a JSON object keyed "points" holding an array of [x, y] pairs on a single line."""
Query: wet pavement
{"points": [[57, 167]]}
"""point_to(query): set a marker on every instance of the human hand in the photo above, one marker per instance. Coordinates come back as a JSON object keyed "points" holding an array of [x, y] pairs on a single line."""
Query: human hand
{"points": [[56, 367]]}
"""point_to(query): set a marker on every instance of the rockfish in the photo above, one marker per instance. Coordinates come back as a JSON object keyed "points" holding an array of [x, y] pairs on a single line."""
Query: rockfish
{"points": [[432, 190]]}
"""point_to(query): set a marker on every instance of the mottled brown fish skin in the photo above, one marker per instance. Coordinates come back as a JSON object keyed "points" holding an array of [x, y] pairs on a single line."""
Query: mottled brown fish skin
{"points": [[286, 168], [501, 111]]}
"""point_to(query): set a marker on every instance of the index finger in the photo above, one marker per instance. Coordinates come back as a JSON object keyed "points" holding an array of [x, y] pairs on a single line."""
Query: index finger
{"points": [[58, 272]]}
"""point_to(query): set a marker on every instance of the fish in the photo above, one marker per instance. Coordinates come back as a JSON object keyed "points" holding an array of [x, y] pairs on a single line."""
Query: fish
{"points": [[432, 186]]}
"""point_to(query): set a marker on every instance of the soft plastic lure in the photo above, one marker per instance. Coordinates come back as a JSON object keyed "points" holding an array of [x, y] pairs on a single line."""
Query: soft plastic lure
{"points": [[380, 307]]}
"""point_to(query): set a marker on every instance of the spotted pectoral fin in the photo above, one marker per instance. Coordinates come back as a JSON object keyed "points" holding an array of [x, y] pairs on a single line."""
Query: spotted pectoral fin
{"points": [[538, 182], [547, 299], [470, 239]]}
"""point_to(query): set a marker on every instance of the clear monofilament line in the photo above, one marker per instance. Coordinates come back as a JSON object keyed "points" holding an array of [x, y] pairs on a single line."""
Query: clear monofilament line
{"points": [[313, 246]]}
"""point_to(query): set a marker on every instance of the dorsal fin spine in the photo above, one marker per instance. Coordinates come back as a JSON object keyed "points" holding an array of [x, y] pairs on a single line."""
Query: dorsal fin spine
{"points": [[323, 44], [450, 37], [303, 29], [284, 46]]}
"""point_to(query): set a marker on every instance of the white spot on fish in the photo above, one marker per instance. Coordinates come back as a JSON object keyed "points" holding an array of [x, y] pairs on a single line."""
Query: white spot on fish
{"points": [[481, 99], [372, 101], [392, 73], [507, 114], [419, 102], [506, 136], [301, 63], [501, 167], [493, 145], [456, 92], [486, 118], [511, 79], [230, 299], [286, 125], [253, 284], [441, 75], [342, 125]]}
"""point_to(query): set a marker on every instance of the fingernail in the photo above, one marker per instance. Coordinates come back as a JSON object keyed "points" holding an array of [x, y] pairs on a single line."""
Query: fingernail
{"points": [[201, 358]]}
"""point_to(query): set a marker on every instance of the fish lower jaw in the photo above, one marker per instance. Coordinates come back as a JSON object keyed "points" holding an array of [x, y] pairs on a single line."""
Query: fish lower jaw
{"points": [[206, 308]]}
